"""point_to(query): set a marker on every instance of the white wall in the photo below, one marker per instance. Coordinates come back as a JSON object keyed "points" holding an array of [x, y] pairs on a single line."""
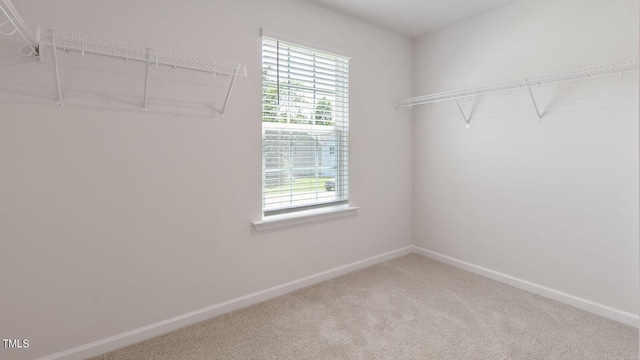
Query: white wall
{"points": [[111, 220], [554, 203]]}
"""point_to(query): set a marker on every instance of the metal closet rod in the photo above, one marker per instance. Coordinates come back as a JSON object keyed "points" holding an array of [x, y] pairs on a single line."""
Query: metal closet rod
{"points": [[612, 68], [19, 26]]}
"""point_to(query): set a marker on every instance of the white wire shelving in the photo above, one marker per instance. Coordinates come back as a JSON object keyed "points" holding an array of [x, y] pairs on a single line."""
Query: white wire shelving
{"points": [[17, 25], [152, 58], [613, 68]]}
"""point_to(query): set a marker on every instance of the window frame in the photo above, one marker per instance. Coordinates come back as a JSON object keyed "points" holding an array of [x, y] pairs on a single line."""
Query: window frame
{"points": [[343, 151]]}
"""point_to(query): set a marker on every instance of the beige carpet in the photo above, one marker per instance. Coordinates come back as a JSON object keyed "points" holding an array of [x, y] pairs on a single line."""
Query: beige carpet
{"points": [[407, 308]]}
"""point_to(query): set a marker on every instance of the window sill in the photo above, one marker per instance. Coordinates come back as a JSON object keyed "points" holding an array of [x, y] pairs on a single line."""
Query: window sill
{"points": [[302, 217]]}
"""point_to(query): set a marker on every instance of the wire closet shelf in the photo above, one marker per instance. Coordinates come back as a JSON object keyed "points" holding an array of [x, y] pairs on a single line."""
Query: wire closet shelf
{"points": [[83, 44], [18, 26], [70, 41], [613, 68]]}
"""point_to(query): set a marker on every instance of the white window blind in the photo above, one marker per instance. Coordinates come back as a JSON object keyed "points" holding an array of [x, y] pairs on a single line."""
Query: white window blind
{"points": [[305, 128]]}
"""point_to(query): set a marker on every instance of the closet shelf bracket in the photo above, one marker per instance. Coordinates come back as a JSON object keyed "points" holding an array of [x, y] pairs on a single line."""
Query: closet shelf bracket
{"points": [[146, 82], [467, 120], [533, 100], [59, 100]]}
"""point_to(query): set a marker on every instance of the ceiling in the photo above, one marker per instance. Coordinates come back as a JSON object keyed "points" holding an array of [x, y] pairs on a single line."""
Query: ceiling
{"points": [[412, 18]]}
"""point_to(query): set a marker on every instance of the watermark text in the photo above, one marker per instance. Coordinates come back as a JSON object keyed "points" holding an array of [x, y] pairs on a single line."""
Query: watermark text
{"points": [[15, 343]]}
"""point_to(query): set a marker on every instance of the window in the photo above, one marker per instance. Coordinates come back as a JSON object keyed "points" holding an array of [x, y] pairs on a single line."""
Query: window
{"points": [[305, 128]]}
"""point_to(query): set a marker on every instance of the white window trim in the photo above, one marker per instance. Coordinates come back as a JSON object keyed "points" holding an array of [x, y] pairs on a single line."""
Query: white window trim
{"points": [[316, 214], [303, 217], [300, 41]]}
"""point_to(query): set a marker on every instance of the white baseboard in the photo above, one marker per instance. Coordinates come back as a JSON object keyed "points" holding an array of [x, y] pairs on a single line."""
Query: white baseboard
{"points": [[147, 332], [580, 303]]}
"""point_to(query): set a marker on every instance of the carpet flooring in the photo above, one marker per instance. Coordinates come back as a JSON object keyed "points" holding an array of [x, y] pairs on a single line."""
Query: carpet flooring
{"points": [[406, 308]]}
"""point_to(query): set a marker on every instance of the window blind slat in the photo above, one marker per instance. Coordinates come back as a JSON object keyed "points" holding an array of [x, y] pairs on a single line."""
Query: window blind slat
{"points": [[305, 137]]}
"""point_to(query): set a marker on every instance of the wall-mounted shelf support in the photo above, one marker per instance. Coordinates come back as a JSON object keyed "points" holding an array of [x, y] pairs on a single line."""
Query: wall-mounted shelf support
{"points": [[467, 120], [533, 100], [613, 68], [146, 82], [68, 41], [59, 100]]}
